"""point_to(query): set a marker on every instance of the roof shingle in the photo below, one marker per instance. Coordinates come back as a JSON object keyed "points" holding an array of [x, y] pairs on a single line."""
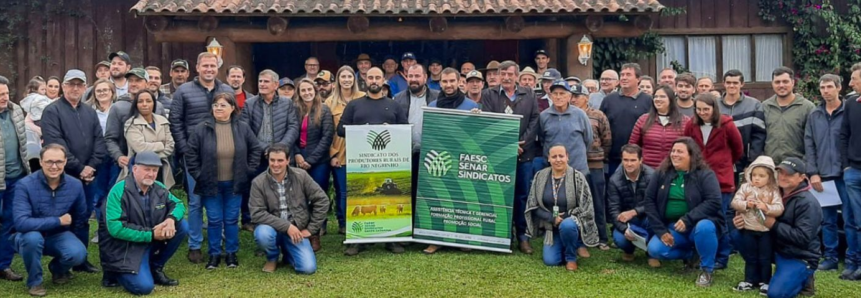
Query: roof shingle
{"points": [[390, 7]]}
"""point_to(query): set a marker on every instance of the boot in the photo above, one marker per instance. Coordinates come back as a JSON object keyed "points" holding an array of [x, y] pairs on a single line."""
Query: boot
{"points": [[10, 275], [270, 266], [160, 278], [195, 256], [315, 243], [525, 247], [86, 267], [214, 261], [231, 260]]}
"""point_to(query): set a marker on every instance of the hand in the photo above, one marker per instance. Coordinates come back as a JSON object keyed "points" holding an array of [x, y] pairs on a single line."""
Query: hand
{"points": [[626, 216], [88, 172], [158, 233], [680, 226], [557, 221], [738, 221], [294, 234], [629, 235], [769, 222], [520, 147], [668, 240], [123, 161], [169, 228], [299, 159], [816, 182], [306, 233], [751, 204], [65, 220], [761, 206], [475, 111], [336, 163]]}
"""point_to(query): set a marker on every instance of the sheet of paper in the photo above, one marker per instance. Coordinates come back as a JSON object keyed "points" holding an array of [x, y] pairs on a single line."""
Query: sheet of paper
{"points": [[639, 241], [828, 196]]}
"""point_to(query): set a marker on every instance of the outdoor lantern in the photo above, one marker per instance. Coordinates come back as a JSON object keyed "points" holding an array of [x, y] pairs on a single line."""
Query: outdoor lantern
{"points": [[215, 48], [585, 47]]}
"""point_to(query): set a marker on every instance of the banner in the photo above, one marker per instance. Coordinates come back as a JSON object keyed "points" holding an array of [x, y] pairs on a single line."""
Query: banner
{"points": [[379, 181], [466, 179]]}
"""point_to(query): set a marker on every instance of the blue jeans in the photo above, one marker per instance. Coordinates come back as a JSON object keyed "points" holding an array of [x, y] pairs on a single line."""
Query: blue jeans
{"points": [[106, 178], [703, 238], [339, 178], [156, 256], [7, 251], [597, 186], [623, 243], [725, 241], [789, 278], [222, 215], [830, 233], [521, 192], [851, 199], [65, 247], [195, 214], [319, 172], [565, 243], [301, 255]]}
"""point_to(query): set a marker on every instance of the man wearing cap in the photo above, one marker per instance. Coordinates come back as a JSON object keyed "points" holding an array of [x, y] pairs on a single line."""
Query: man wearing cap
{"points": [[121, 63], [192, 103], [141, 230], [236, 78], [608, 84], [363, 64], [286, 87], [547, 78], [542, 61], [572, 81], [13, 141], [274, 119], [474, 86], [511, 99], [178, 76], [622, 109], [399, 82], [435, 70], [466, 67], [325, 83], [528, 78], [312, 69], [491, 74], [390, 66], [412, 100], [598, 147], [75, 126], [567, 125], [103, 70], [795, 233]]}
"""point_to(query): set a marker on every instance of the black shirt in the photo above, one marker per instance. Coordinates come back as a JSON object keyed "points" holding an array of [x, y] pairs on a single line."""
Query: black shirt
{"points": [[371, 111], [622, 113], [561, 199]]}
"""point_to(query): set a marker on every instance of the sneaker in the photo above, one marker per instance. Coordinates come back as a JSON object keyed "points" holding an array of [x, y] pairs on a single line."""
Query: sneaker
{"points": [[195, 256], [270, 266], [763, 290], [603, 246], [37, 291], [855, 275], [231, 260], [828, 265], [214, 261], [743, 286], [705, 279], [847, 272], [654, 263]]}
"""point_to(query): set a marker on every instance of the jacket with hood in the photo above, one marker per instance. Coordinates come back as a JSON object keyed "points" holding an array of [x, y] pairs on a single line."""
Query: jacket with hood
{"points": [[749, 118], [722, 150], [119, 114], [623, 196], [785, 127], [821, 141], [769, 194], [796, 232]]}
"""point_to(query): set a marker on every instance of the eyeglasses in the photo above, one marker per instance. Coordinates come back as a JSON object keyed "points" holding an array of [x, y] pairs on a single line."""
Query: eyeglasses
{"points": [[220, 106], [607, 79], [54, 163]]}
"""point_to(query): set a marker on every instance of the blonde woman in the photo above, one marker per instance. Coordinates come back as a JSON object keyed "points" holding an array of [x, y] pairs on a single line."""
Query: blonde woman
{"points": [[346, 90]]}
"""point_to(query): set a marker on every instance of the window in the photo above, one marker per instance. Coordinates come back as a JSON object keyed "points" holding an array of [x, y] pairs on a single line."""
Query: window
{"points": [[756, 56]]}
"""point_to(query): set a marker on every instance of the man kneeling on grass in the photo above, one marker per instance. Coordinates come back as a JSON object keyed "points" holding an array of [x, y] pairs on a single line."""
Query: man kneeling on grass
{"points": [[141, 230], [280, 202]]}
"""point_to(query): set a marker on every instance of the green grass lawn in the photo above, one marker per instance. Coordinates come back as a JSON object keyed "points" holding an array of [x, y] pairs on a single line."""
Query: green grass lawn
{"points": [[449, 273]]}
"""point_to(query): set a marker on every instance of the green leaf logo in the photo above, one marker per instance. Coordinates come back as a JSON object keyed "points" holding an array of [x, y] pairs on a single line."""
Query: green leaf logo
{"points": [[438, 163], [357, 227], [379, 141]]}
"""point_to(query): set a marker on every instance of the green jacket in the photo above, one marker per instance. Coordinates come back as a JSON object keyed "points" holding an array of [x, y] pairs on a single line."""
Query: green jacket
{"points": [[785, 127], [125, 232]]}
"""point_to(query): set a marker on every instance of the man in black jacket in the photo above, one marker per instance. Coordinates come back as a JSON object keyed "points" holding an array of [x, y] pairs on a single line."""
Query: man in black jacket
{"points": [[795, 233], [625, 192], [192, 104], [141, 230], [850, 137], [273, 118], [74, 125], [512, 99]]}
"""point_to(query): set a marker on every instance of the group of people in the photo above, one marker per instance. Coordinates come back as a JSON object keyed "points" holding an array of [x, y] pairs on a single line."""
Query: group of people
{"points": [[671, 166]]}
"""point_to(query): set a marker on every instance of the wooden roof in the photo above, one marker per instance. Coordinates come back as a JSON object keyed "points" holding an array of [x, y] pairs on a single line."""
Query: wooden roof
{"points": [[391, 7]]}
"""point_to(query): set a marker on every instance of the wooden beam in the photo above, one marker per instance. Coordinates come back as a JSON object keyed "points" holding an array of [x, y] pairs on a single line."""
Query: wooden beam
{"points": [[207, 24], [723, 31], [574, 68], [181, 32]]}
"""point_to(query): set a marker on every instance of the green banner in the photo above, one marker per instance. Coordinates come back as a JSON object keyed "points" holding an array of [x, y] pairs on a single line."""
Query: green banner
{"points": [[378, 183], [466, 179]]}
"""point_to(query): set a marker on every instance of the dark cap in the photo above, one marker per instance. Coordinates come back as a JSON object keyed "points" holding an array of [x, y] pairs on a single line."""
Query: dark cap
{"points": [[560, 83], [286, 81], [578, 90], [541, 52], [435, 60], [573, 78], [551, 74], [792, 165], [179, 63], [408, 55], [147, 158], [138, 72], [122, 55]]}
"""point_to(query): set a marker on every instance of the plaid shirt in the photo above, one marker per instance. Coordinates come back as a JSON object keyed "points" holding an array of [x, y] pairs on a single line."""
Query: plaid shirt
{"points": [[167, 90], [282, 199]]}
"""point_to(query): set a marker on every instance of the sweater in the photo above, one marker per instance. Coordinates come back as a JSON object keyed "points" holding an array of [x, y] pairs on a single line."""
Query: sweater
{"points": [[366, 110], [749, 118], [656, 141], [722, 151], [747, 192], [224, 150], [570, 128], [579, 203], [602, 138], [785, 127], [850, 133], [623, 113]]}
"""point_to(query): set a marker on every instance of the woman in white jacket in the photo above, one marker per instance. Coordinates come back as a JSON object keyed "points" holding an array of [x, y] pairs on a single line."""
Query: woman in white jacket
{"points": [[148, 131]]}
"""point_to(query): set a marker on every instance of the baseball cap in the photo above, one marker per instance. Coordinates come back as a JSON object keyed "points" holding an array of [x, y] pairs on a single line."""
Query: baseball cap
{"points": [[286, 81], [103, 63], [122, 55], [147, 158], [560, 83], [363, 57], [792, 165], [179, 63], [529, 71], [408, 55], [474, 75], [325, 75], [138, 72], [75, 74], [551, 74], [493, 65], [573, 78], [541, 52], [435, 60], [578, 90]]}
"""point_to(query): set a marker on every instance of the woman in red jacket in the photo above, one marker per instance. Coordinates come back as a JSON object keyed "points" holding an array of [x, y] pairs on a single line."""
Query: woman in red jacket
{"points": [[656, 131], [722, 147]]}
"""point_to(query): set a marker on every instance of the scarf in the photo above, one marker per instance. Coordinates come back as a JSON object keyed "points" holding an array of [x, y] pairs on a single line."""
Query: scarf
{"points": [[450, 102]]}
